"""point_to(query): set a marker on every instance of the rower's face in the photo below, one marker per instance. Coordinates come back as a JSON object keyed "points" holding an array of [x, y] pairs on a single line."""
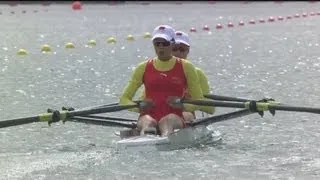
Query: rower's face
{"points": [[180, 50], [162, 47]]}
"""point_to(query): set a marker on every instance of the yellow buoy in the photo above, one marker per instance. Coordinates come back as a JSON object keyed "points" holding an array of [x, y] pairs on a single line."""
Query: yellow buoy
{"points": [[92, 42], [69, 45], [45, 48], [111, 40], [22, 52], [147, 35], [130, 37]]}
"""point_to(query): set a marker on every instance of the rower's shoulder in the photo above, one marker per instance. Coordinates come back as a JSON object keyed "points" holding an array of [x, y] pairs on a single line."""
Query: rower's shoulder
{"points": [[199, 71], [142, 65], [187, 64]]}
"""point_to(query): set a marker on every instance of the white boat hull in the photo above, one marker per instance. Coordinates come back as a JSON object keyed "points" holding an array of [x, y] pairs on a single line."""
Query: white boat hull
{"points": [[184, 137]]}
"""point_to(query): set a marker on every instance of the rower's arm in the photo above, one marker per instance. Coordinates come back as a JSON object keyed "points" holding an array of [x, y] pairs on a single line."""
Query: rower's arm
{"points": [[203, 80], [133, 85], [142, 94], [194, 88], [204, 84]]}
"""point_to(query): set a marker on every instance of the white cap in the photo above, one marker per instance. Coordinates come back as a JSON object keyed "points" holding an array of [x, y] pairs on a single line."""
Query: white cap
{"points": [[182, 37], [163, 31]]}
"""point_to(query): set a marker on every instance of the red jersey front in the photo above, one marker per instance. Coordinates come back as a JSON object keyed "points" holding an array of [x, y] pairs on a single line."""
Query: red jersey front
{"points": [[159, 85]]}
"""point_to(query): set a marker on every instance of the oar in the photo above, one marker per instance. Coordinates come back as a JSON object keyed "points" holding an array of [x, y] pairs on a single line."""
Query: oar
{"points": [[226, 98], [253, 105], [94, 121], [294, 108], [92, 107], [213, 103], [222, 117], [109, 118], [63, 115]]}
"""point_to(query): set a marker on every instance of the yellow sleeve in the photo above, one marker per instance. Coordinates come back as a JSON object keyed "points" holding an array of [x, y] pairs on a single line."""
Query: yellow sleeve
{"points": [[142, 94], [203, 80], [204, 83], [194, 88], [133, 85]]}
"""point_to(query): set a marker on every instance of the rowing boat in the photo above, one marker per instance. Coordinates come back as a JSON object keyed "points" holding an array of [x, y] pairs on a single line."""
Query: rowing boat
{"points": [[186, 137]]}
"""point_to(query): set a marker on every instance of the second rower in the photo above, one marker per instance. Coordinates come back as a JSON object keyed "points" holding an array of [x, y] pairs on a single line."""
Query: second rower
{"points": [[181, 49]]}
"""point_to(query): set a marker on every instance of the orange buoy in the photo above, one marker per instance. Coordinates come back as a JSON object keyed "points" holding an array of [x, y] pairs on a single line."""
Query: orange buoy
{"points": [[271, 19], [206, 28], [280, 18], [218, 26], [76, 5], [193, 29], [252, 21]]}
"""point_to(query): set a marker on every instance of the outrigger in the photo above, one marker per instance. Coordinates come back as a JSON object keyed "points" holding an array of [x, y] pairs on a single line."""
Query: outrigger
{"points": [[197, 131]]}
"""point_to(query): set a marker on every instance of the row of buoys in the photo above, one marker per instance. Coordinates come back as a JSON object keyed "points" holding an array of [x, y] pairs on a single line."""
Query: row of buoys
{"points": [[69, 45], [130, 37], [215, 2], [13, 4], [77, 5], [253, 21], [24, 11], [91, 43]]}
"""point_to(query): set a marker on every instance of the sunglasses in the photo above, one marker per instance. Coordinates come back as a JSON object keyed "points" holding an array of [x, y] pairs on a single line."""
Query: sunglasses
{"points": [[164, 43], [181, 49]]}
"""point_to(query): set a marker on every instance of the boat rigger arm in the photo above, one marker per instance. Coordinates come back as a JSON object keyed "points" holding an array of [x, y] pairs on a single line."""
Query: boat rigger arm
{"points": [[133, 85], [194, 88]]}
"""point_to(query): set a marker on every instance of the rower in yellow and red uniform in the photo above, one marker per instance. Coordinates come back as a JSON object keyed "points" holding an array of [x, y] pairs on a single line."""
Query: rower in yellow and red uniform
{"points": [[165, 78], [181, 49]]}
